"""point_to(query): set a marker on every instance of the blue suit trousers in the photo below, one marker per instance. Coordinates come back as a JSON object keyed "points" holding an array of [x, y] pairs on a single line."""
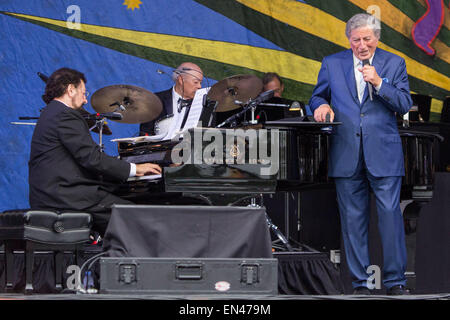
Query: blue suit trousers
{"points": [[353, 195]]}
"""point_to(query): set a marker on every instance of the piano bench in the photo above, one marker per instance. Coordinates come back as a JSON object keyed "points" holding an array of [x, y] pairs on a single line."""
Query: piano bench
{"points": [[43, 230]]}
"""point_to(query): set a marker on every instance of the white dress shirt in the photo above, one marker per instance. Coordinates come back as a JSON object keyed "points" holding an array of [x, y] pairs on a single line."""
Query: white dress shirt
{"points": [[177, 115]]}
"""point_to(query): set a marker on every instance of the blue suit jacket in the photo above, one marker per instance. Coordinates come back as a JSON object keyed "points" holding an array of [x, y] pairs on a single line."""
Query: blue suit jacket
{"points": [[376, 120]]}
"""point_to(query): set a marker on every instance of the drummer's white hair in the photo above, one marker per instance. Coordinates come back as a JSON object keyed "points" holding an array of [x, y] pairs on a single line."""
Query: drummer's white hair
{"points": [[177, 72], [180, 71], [362, 20]]}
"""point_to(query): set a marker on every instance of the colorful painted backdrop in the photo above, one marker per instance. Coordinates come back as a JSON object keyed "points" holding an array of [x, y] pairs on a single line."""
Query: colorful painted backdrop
{"points": [[125, 42]]}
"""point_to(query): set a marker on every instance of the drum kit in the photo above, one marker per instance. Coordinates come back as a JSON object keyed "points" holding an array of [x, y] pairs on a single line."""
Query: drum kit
{"points": [[138, 105], [133, 104]]}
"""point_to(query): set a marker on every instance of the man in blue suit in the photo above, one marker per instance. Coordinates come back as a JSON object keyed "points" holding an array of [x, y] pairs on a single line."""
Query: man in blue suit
{"points": [[364, 88]]}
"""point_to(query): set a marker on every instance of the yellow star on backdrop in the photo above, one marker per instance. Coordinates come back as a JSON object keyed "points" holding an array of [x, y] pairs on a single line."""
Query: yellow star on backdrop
{"points": [[132, 4]]}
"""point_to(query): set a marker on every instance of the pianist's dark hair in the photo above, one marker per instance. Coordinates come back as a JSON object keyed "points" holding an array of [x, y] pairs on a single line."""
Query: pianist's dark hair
{"points": [[59, 81], [269, 76]]}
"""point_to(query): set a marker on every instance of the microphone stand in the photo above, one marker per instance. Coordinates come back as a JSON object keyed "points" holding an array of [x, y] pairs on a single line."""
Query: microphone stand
{"points": [[232, 120], [252, 119], [99, 123], [250, 105]]}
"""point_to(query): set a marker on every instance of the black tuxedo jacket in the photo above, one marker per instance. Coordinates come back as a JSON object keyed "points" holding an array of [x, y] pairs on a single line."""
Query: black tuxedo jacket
{"points": [[67, 169], [166, 99]]}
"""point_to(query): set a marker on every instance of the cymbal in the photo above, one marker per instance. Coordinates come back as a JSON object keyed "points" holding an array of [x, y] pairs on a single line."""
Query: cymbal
{"points": [[240, 87], [137, 105], [91, 123]]}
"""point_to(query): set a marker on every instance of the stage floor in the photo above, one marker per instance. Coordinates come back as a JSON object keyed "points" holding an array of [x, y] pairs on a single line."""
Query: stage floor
{"points": [[217, 297]]}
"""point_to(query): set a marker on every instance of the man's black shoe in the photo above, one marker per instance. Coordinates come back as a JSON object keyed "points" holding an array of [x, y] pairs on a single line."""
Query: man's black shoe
{"points": [[363, 291], [397, 290]]}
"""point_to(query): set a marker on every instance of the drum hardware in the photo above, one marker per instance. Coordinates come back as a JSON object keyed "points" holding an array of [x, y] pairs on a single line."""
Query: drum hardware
{"points": [[92, 122], [100, 119], [272, 226], [238, 87], [163, 124], [26, 123], [250, 105], [99, 125], [137, 105]]}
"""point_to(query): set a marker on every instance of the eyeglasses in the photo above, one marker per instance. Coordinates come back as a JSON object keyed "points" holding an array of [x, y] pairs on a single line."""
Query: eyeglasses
{"points": [[86, 93]]}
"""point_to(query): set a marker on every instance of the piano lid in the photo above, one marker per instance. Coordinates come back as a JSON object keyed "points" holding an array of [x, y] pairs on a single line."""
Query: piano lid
{"points": [[302, 122]]}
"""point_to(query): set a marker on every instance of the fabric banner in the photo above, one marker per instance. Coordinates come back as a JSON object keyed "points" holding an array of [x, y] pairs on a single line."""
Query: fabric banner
{"points": [[127, 41]]}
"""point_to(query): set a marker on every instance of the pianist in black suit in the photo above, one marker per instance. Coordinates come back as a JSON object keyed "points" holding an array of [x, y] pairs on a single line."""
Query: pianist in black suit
{"points": [[188, 79], [67, 170]]}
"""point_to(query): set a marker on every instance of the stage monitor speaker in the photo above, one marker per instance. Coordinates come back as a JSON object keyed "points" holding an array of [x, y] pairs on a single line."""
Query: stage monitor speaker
{"points": [[188, 231], [188, 276]]}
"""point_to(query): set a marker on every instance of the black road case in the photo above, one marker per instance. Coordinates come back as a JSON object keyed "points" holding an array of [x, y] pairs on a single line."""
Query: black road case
{"points": [[189, 276]]}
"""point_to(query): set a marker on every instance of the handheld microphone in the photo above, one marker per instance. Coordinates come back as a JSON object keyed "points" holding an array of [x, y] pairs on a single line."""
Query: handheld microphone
{"points": [[369, 85]]}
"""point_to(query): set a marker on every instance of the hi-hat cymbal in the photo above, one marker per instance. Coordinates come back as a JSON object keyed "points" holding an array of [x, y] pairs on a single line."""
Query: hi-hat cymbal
{"points": [[91, 123], [136, 104], [241, 87]]}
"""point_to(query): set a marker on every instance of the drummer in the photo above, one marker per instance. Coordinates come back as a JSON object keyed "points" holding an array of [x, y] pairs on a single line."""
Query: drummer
{"points": [[272, 81], [177, 100]]}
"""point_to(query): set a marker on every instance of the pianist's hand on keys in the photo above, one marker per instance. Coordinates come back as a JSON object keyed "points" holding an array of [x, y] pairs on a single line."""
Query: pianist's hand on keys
{"points": [[143, 169]]}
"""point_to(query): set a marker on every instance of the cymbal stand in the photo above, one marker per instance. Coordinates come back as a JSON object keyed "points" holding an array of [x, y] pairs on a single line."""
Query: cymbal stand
{"points": [[279, 234], [271, 225], [253, 120], [99, 123]]}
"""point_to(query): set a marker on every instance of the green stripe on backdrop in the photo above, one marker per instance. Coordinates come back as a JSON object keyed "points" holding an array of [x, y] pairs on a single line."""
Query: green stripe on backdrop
{"points": [[435, 117], [215, 70], [411, 8], [422, 87], [414, 10], [344, 10]]}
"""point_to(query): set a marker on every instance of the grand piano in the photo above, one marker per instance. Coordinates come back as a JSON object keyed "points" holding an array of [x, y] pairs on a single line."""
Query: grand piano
{"points": [[247, 162], [302, 150]]}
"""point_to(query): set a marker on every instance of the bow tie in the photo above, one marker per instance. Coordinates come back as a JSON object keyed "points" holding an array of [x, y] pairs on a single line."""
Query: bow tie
{"points": [[182, 103]]}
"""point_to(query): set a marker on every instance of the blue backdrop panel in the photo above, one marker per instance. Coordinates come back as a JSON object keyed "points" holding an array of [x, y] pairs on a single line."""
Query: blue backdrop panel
{"points": [[27, 48]]}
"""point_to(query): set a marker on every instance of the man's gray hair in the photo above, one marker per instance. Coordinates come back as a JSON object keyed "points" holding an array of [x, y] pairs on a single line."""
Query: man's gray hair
{"points": [[363, 20]]}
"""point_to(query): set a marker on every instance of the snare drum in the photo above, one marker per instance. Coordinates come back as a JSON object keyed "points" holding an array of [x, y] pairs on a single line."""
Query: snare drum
{"points": [[163, 125]]}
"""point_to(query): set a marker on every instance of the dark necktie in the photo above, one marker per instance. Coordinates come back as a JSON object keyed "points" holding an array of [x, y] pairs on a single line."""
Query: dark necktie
{"points": [[184, 103]]}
